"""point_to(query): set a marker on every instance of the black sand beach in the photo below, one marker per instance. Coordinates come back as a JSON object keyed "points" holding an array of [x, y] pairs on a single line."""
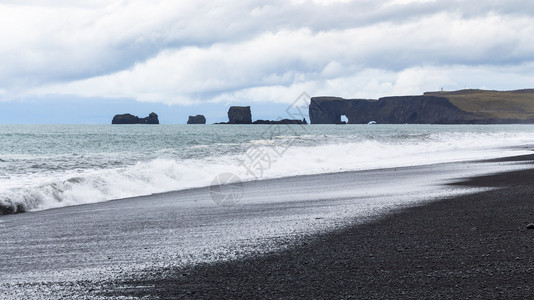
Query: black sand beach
{"points": [[469, 246], [472, 246]]}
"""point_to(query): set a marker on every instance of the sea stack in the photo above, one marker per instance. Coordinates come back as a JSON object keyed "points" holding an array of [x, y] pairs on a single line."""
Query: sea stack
{"points": [[239, 115], [198, 119], [131, 119]]}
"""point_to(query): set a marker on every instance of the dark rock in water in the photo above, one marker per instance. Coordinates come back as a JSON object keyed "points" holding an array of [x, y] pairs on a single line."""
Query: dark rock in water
{"points": [[125, 119], [198, 119], [530, 226], [239, 115], [131, 119], [263, 122], [11, 208], [283, 121], [243, 115]]}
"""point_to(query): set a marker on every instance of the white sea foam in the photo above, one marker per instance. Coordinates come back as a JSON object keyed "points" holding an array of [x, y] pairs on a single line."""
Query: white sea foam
{"points": [[90, 186], [373, 154], [265, 158]]}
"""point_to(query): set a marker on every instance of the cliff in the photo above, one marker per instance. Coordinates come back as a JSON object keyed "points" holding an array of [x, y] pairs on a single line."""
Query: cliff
{"points": [[198, 119], [460, 107], [504, 106], [131, 119]]}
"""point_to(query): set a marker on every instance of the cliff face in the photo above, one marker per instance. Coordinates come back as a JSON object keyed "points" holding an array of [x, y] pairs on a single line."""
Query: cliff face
{"points": [[239, 115], [198, 119], [389, 110], [131, 119], [459, 107]]}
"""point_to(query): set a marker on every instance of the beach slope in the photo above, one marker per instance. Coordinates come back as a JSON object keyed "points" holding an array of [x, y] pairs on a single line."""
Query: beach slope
{"points": [[470, 246]]}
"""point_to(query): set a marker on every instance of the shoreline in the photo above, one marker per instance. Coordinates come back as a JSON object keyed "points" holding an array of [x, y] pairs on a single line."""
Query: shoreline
{"points": [[505, 159], [96, 178], [292, 228], [474, 245]]}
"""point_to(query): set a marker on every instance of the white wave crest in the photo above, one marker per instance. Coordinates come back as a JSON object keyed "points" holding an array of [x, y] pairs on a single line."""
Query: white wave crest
{"points": [[70, 188], [264, 159]]}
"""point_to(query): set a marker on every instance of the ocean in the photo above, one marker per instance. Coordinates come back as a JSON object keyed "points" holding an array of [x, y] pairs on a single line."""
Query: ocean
{"points": [[51, 166]]}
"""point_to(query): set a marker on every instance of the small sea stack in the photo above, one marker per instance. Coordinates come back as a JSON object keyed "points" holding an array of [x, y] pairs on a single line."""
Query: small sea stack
{"points": [[239, 115], [198, 119]]}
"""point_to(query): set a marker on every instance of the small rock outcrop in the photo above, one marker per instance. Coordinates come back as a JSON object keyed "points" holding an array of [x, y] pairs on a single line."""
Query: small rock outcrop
{"points": [[11, 208], [239, 115], [283, 121], [131, 119], [198, 119]]}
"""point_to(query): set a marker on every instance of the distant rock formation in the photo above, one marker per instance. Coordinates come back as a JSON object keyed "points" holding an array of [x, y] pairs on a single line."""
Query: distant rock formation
{"points": [[131, 119], [283, 121], [242, 115], [198, 119], [460, 107], [390, 110], [239, 115]]}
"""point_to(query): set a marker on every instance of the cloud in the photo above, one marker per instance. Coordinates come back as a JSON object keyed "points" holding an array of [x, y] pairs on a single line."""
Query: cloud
{"points": [[186, 52]]}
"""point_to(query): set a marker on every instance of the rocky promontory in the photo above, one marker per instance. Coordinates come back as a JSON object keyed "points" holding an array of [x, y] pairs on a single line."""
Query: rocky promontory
{"points": [[460, 107], [131, 119], [198, 119], [390, 110]]}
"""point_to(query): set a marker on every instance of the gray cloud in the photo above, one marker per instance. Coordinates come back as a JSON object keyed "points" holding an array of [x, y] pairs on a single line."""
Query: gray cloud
{"points": [[185, 52]]}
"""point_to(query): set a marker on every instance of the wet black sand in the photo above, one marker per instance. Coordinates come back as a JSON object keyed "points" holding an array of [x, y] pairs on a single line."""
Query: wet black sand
{"points": [[471, 246]]}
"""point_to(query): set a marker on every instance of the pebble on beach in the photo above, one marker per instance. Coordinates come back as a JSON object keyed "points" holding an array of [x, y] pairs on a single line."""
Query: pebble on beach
{"points": [[530, 226]]}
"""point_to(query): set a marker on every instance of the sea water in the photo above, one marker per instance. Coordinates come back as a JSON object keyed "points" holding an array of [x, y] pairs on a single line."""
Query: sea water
{"points": [[48, 166]]}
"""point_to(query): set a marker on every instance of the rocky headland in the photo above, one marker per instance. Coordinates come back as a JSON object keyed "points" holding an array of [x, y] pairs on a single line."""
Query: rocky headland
{"points": [[459, 107]]}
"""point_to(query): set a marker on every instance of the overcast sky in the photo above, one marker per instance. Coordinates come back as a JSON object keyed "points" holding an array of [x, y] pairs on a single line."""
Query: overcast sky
{"points": [[188, 55]]}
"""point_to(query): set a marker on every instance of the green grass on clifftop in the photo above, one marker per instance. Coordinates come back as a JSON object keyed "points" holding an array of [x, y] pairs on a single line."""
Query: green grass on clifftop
{"points": [[517, 104]]}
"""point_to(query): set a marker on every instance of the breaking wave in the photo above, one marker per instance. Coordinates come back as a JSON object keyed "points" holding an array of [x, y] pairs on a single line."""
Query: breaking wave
{"points": [[265, 158], [143, 178]]}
